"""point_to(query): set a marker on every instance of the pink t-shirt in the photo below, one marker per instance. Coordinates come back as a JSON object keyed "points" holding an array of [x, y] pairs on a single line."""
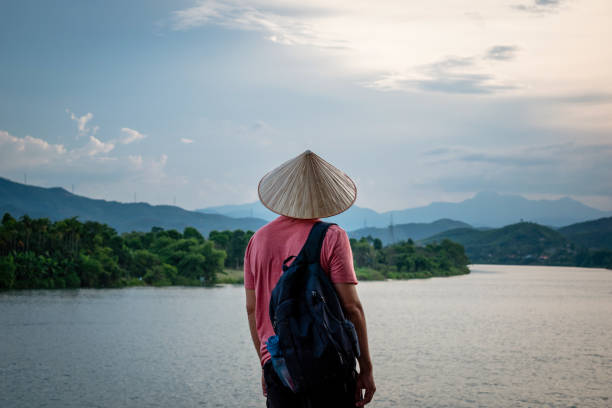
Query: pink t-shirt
{"points": [[275, 242]]}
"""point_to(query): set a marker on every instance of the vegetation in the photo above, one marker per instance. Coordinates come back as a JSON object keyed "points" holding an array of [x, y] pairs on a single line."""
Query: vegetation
{"points": [[234, 244], [526, 243], [38, 253], [405, 260], [596, 234]]}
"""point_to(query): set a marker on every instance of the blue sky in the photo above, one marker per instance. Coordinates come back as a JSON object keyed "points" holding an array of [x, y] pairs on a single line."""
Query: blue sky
{"points": [[196, 100]]}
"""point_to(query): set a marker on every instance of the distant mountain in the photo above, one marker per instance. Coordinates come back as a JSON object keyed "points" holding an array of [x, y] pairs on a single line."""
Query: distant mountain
{"points": [[402, 232], [595, 234], [520, 243], [253, 210], [354, 218], [485, 209], [496, 210], [57, 203]]}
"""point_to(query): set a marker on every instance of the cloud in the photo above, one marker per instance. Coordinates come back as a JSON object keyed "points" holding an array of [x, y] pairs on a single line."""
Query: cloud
{"points": [[387, 45], [539, 6], [186, 141], [18, 153], [278, 28], [501, 52], [567, 168], [96, 146], [90, 165], [131, 135], [82, 122], [136, 161], [584, 98], [455, 75], [32, 152]]}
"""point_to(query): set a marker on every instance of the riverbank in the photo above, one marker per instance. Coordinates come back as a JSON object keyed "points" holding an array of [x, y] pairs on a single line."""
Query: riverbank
{"points": [[236, 276]]}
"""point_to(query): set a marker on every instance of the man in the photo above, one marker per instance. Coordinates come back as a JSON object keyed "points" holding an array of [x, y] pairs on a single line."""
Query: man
{"points": [[302, 190]]}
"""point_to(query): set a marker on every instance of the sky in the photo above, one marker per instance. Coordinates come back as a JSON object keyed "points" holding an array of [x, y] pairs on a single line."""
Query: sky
{"points": [[192, 102]]}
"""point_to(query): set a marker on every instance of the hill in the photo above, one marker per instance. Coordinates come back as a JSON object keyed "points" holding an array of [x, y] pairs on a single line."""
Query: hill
{"points": [[483, 209], [521, 243], [256, 210], [595, 234], [403, 232], [57, 204]]}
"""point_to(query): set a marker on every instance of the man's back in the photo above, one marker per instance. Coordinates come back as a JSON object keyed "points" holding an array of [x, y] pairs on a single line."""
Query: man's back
{"points": [[275, 242]]}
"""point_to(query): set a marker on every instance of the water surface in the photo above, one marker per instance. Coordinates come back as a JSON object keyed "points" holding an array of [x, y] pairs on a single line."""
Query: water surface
{"points": [[503, 336]]}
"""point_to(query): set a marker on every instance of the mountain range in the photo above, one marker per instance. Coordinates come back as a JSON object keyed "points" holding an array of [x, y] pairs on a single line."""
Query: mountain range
{"points": [[56, 203], [581, 244], [484, 209], [403, 232]]}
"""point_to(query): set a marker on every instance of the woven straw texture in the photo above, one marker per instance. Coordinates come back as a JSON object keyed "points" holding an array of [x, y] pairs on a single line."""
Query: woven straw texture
{"points": [[307, 187]]}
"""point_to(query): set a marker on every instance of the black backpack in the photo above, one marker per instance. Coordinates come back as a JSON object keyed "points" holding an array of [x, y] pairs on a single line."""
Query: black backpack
{"points": [[314, 342]]}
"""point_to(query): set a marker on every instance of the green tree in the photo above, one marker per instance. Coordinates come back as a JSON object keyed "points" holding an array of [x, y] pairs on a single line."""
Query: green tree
{"points": [[7, 272], [190, 232]]}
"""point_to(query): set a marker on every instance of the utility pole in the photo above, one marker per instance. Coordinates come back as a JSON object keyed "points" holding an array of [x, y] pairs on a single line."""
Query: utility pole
{"points": [[391, 229]]}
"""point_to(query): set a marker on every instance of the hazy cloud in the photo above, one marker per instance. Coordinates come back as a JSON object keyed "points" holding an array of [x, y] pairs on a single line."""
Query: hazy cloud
{"points": [[538, 6], [585, 98], [19, 153], [89, 162], [131, 135], [280, 28], [501, 52], [456, 75], [96, 146], [186, 141], [564, 168], [136, 161]]}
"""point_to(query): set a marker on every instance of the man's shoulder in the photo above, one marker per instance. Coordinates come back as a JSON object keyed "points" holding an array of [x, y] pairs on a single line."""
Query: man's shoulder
{"points": [[336, 231], [336, 228]]}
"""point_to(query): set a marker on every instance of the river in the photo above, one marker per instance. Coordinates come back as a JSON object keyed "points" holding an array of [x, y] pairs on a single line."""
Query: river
{"points": [[502, 336]]}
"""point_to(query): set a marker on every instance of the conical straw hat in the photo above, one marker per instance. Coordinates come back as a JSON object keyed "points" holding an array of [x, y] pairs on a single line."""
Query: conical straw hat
{"points": [[307, 187]]}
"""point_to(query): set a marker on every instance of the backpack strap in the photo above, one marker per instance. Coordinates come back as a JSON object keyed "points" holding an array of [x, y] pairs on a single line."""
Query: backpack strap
{"points": [[312, 248]]}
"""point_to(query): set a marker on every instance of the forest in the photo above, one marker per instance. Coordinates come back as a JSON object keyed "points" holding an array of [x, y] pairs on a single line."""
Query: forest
{"points": [[41, 254]]}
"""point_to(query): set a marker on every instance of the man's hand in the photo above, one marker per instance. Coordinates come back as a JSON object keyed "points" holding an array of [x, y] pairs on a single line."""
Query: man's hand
{"points": [[365, 381], [354, 311], [263, 385]]}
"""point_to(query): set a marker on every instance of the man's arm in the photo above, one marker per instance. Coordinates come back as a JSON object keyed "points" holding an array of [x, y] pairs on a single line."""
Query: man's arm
{"points": [[250, 308], [354, 310]]}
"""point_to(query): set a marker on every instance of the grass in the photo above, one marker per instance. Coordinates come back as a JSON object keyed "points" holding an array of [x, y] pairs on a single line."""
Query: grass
{"points": [[231, 276]]}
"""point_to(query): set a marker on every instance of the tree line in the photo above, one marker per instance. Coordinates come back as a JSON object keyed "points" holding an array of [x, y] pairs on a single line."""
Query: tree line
{"points": [[39, 253], [406, 260]]}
